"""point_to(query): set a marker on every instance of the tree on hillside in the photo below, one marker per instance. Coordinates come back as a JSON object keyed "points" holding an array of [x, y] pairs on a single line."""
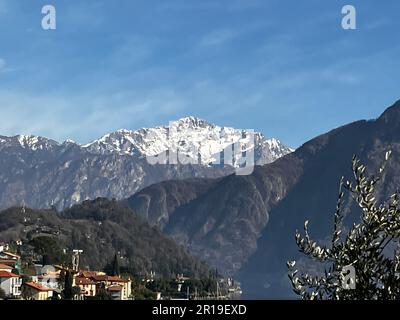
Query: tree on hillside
{"points": [[364, 263], [68, 292], [50, 250], [115, 266], [112, 268]]}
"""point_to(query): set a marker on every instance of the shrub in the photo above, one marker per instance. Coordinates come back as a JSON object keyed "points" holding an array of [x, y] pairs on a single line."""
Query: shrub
{"points": [[371, 247]]}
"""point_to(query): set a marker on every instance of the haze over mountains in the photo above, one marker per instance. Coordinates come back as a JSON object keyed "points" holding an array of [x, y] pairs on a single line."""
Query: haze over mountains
{"points": [[42, 172]]}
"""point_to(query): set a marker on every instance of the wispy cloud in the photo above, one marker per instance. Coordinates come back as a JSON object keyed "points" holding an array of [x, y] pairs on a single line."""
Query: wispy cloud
{"points": [[244, 63], [56, 116], [217, 37]]}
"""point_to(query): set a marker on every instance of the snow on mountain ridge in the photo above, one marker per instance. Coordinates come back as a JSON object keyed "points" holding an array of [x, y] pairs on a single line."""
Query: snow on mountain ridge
{"points": [[29, 142], [193, 137], [190, 136]]}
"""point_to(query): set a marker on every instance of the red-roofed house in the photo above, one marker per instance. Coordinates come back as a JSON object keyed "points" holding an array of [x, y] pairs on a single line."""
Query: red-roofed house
{"points": [[11, 257], [4, 267], [89, 274], [121, 288], [116, 292], [36, 291], [10, 263], [87, 286], [10, 283]]}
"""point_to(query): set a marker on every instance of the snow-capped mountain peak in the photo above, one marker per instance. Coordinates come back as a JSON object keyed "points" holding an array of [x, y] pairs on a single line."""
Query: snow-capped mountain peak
{"points": [[120, 163], [28, 142], [193, 137], [190, 137], [121, 141]]}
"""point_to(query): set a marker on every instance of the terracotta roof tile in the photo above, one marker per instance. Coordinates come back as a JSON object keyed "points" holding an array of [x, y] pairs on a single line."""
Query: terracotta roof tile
{"points": [[83, 281], [99, 278], [88, 274], [116, 279], [10, 263], [6, 274], [4, 266], [37, 286]]}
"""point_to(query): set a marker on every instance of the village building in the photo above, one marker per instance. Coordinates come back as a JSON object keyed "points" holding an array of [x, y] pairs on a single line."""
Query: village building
{"points": [[36, 291], [47, 276], [10, 282], [89, 274], [116, 292], [86, 285], [3, 246], [125, 284], [10, 258], [10, 263], [118, 287], [5, 267]]}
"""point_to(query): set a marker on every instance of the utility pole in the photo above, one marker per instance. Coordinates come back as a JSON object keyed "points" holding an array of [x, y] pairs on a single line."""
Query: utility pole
{"points": [[75, 259]]}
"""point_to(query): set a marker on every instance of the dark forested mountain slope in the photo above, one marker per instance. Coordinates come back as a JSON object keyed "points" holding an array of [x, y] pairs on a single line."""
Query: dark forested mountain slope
{"points": [[218, 220], [102, 228], [325, 159]]}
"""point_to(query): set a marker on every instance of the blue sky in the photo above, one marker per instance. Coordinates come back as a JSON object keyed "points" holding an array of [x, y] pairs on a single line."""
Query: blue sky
{"points": [[282, 67]]}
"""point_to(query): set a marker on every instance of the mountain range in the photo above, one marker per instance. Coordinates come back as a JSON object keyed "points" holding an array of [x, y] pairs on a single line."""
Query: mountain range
{"points": [[41, 172], [245, 225], [242, 225]]}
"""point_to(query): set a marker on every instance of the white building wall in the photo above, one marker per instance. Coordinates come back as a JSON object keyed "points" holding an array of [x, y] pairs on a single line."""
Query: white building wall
{"points": [[11, 286]]}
